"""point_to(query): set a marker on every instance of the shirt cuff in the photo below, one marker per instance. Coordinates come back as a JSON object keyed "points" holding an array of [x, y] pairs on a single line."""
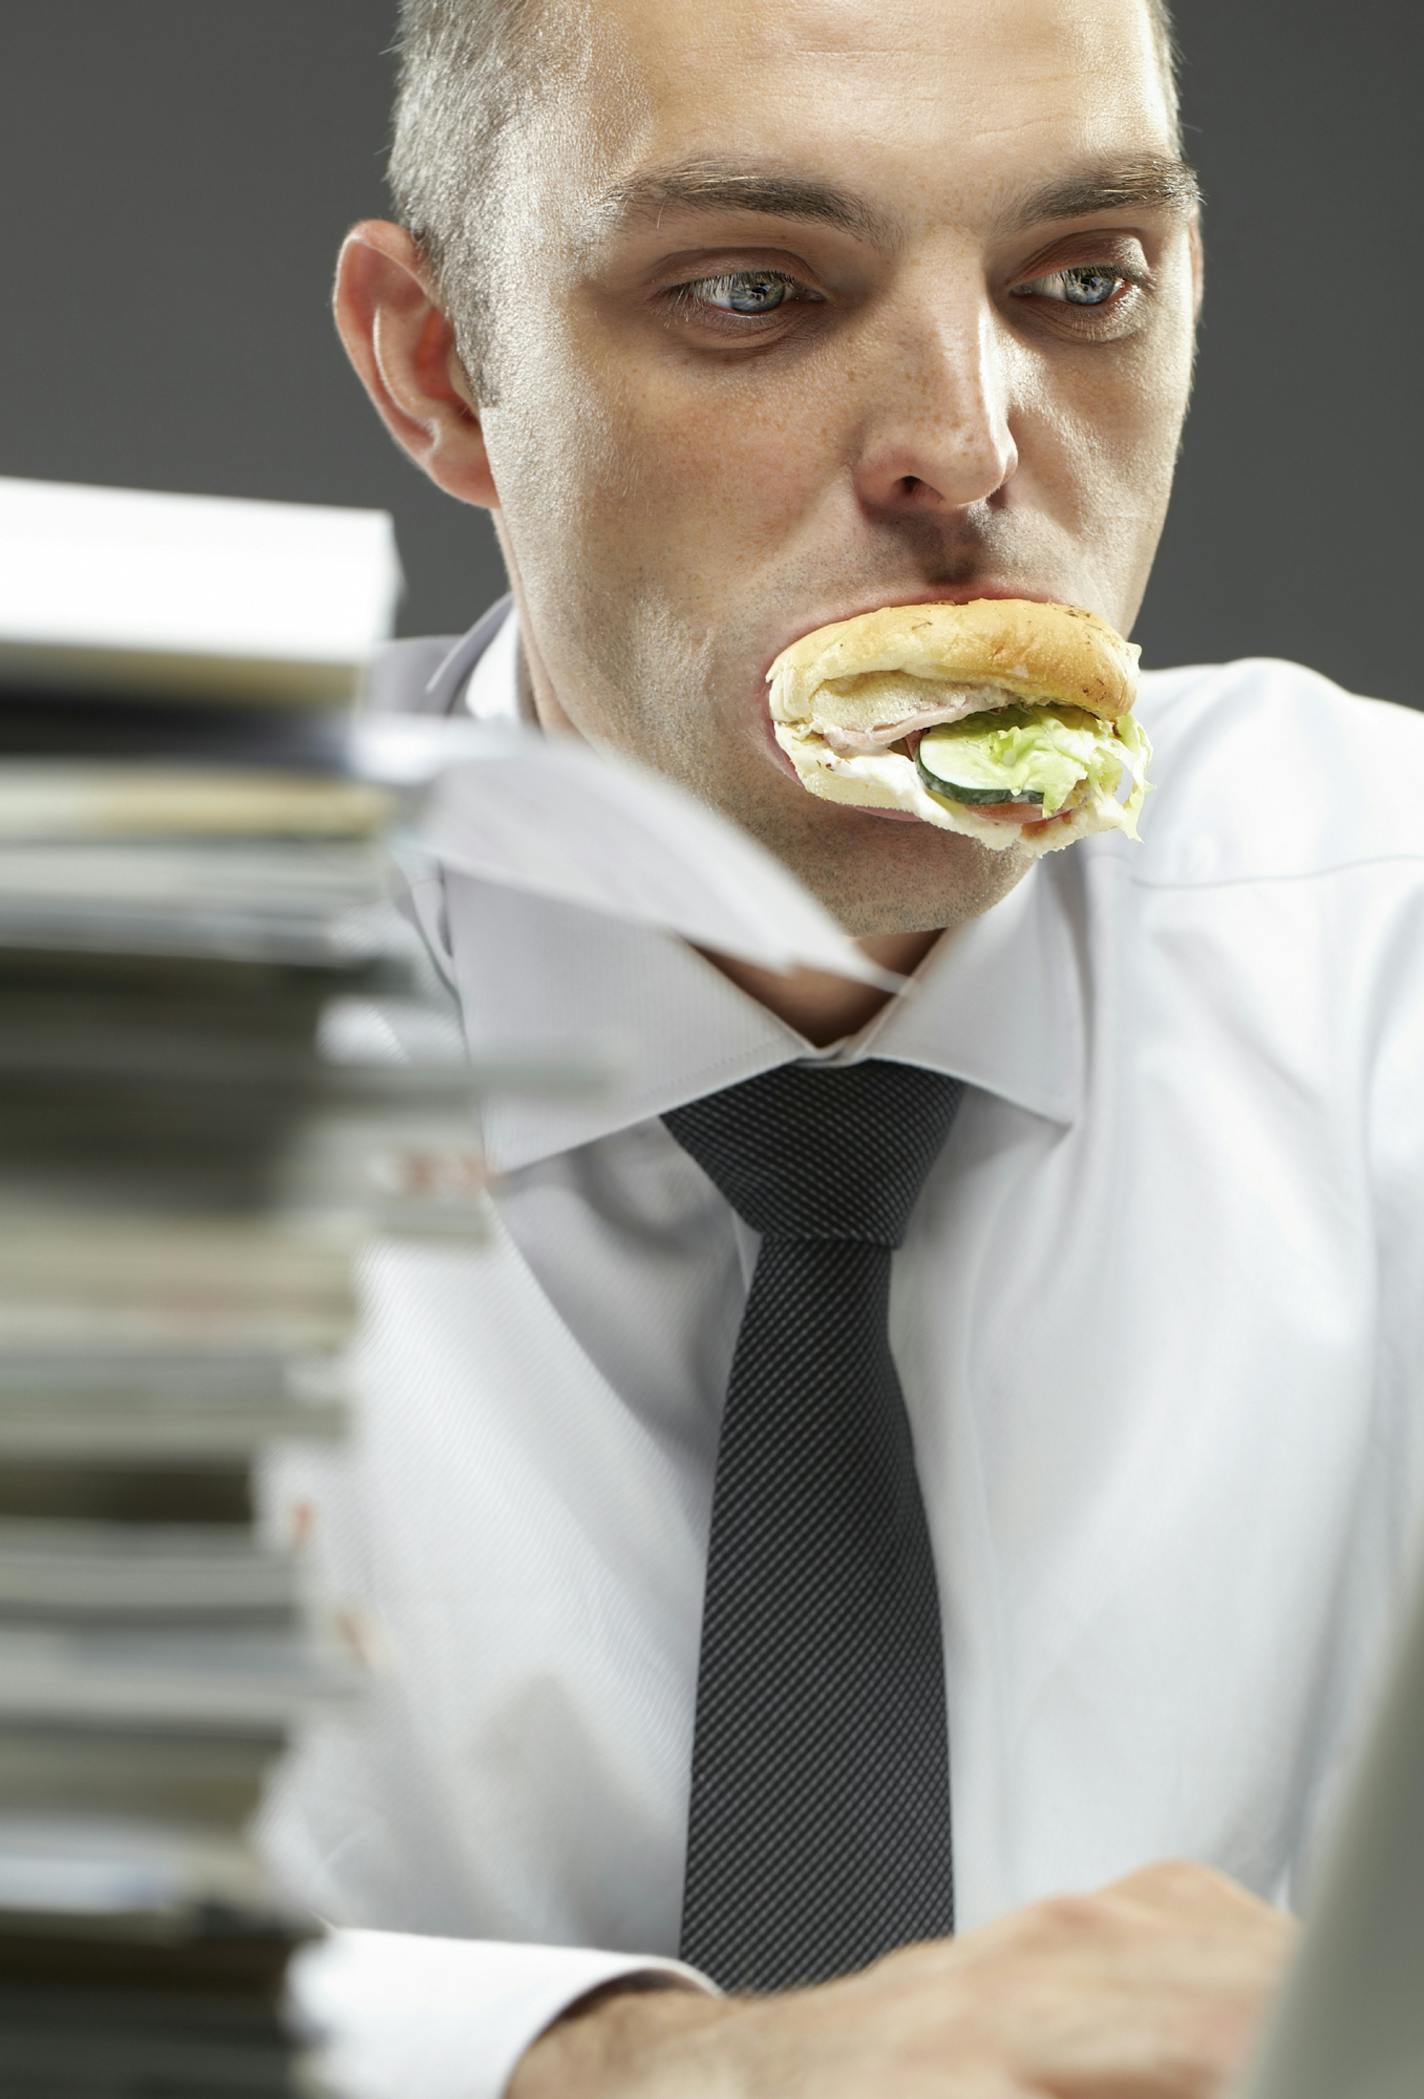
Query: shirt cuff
{"points": [[397, 2014]]}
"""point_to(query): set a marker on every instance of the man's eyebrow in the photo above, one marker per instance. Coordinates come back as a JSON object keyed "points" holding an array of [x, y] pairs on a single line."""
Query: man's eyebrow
{"points": [[722, 185], [1150, 181]]}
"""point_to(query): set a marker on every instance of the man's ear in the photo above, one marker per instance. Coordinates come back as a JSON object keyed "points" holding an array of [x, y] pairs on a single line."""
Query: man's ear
{"points": [[1198, 269], [403, 349]]}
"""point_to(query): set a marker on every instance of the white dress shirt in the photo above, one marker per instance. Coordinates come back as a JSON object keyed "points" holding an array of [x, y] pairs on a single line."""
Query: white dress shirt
{"points": [[1159, 1321]]}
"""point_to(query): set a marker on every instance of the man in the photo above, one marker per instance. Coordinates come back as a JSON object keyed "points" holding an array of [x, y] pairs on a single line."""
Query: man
{"points": [[740, 319]]}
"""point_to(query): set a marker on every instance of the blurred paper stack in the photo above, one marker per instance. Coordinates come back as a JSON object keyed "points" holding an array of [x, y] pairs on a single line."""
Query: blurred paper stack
{"points": [[193, 877]]}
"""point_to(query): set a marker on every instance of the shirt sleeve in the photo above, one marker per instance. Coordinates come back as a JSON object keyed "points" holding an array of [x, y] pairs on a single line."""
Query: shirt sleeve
{"points": [[1395, 1126], [398, 2015]]}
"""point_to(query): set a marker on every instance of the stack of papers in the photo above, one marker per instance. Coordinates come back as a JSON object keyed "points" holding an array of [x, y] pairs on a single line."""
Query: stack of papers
{"points": [[194, 864], [195, 912]]}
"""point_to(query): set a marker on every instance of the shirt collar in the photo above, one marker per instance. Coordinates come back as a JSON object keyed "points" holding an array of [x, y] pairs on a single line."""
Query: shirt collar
{"points": [[998, 1003]]}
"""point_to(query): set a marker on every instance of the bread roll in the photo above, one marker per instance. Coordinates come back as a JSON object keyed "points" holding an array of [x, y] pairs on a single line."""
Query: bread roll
{"points": [[845, 695]]}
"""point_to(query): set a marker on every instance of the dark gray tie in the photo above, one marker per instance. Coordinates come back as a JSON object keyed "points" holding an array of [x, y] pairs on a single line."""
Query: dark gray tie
{"points": [[819, 1829]]}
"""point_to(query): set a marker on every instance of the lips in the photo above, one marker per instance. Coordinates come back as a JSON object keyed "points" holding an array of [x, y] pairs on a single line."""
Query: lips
{"points": [[778, 756]]}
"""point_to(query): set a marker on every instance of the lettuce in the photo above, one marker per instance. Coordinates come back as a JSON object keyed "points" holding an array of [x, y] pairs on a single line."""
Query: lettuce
{"points": [[1045, 750]]}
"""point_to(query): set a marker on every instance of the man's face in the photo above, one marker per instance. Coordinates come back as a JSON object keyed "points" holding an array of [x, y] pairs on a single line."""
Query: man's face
{"points": [[826, 417]]}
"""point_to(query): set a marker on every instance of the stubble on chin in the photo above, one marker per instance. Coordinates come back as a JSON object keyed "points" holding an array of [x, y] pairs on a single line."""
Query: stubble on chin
{"points": [[872, 876]]}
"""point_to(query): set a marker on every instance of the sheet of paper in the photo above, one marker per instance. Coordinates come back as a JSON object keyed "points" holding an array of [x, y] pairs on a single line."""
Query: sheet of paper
{"points": [[197, 579], [550, 815]]}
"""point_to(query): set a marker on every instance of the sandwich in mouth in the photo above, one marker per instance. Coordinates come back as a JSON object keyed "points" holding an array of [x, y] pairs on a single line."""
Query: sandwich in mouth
{"points": [[1003, 718]]}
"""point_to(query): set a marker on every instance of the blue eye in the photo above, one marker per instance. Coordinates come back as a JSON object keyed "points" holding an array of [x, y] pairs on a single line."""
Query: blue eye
{"points": [[1069, 278], [745, 292], [1079, 275], [748, 293]]}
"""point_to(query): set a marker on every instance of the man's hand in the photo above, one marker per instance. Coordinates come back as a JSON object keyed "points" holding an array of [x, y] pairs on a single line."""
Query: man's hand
{"points": [[1152, 1988]]}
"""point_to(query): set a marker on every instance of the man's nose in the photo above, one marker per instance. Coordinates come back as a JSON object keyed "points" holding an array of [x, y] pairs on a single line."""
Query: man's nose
{"points": [[935, 433]]}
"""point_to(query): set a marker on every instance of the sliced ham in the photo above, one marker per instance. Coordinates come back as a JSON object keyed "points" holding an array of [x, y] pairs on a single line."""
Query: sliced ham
{"points": [[864, 743]]}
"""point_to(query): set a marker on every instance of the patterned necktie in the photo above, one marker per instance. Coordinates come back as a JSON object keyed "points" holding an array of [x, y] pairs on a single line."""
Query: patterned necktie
{"points": [[819, 1830]]}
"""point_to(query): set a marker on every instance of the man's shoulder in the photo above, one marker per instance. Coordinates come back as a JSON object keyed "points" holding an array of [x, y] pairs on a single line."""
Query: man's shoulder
{"points": [[1264, 768]]}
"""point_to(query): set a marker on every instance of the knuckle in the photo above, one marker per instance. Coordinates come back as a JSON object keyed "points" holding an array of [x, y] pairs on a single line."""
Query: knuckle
{"points": [[1188, 1875], [1070, 1915], [1181, 1879]]}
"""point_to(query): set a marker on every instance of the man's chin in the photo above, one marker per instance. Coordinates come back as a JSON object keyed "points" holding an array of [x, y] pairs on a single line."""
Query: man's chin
{"points": [[875, 881]]}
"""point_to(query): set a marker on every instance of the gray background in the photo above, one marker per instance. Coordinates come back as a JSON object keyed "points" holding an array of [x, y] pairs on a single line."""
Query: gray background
{"points": [[178, 174]]}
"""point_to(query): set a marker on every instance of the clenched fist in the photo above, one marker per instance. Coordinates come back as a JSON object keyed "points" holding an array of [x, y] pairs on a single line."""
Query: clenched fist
{"points": [[1152, 1988]]}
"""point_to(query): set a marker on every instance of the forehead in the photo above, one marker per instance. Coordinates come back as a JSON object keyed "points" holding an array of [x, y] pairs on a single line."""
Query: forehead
{"points": [[916, 98]]}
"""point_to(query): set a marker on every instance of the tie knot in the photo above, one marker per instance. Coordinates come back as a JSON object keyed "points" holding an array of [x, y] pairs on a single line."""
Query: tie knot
{"points": [[816, 1151]]}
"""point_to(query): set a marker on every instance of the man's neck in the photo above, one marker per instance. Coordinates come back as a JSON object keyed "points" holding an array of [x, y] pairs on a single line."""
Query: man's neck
{"points": [[818, 1005]]}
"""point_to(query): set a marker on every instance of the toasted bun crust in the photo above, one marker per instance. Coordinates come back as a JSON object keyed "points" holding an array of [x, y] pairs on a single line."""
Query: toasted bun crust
{"points": [[1035, 653]]}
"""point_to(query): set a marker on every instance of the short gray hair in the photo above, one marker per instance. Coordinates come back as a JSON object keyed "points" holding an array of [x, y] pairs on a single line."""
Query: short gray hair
{"points": [[465, 66]]}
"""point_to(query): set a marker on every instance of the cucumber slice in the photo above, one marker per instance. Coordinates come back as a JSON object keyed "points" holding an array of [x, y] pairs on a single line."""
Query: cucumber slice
{"points": [[952, 791]]}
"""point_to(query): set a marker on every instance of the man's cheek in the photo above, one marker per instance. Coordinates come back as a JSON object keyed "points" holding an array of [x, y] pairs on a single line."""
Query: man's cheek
{"points": [[718, 473]]}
